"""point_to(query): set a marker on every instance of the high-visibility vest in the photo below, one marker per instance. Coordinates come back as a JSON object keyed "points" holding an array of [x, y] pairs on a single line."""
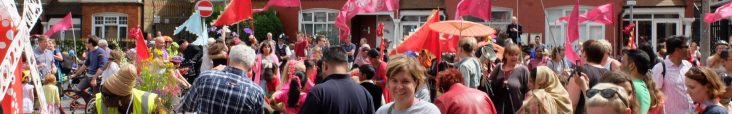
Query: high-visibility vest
{"points": [[142, 103]]}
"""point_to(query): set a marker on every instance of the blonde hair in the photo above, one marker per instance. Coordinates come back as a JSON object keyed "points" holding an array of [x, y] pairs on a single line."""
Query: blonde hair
{"points": [[618, 103], [606, 46], [512, 49], [467, 44], [298, 65], [402, 63]]}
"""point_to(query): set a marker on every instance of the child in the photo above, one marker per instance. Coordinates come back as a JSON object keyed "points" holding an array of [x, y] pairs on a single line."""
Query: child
{"points": [[368, 72], [53, 100], [292, 96], [28, 95]]}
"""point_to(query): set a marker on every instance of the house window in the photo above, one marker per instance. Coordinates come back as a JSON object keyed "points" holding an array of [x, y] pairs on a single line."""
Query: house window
{"points": [[556, 31], [320, 22], [110, 26], [69, 33], [500, 18], [412, 20]]}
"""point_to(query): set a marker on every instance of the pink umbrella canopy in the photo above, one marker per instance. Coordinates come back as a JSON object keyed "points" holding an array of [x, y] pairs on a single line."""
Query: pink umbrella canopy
{"points": [[462, 28]]}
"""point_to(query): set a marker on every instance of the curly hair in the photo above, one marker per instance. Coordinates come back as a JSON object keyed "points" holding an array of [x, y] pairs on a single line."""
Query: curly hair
{"points": [[447, 78]]}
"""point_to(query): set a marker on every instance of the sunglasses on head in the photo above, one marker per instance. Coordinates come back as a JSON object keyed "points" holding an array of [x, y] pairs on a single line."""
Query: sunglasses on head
{"points": [[607, 94]]}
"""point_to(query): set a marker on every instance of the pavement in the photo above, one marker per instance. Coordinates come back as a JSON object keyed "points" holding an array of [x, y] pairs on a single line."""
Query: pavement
{"points": [[66, 103]]}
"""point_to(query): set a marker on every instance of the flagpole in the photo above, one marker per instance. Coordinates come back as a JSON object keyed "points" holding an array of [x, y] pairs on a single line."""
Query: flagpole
{"points": [[73, 33], [546, 23]]}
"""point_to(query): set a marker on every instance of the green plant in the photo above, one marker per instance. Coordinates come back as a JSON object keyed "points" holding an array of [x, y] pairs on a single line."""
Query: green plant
{"points": [[69, 44], [265, 22]]}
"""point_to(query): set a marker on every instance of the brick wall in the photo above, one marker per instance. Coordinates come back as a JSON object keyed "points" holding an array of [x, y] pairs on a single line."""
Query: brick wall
{"points": [[132, 10], [289, 16], [175, 11]]}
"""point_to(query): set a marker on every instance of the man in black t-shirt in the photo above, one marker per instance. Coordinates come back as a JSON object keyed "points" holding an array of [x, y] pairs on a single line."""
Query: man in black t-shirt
{"points": [[338, 93]]}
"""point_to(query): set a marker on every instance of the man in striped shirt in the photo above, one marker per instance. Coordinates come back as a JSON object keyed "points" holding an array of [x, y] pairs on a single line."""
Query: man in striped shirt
{"points": [[669, 76]]}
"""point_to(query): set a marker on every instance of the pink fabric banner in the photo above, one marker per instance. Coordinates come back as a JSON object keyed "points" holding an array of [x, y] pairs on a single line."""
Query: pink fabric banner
{"points": [[722, 12], [280, 3], [477, 8], [62, 25], [572, 34], [602, 14], [353, 7]]}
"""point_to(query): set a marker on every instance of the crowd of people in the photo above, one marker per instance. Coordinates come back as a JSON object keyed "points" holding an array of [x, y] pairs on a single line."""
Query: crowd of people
{"points": [[314, 76]]}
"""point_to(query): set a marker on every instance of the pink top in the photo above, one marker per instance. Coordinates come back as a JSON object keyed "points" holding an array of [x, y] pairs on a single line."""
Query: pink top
{"points": [[281, 96]]}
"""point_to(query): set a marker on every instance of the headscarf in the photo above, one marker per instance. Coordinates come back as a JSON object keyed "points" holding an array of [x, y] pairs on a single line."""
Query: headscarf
{"points": [[361, 58], [548, 95], [121, 83]]}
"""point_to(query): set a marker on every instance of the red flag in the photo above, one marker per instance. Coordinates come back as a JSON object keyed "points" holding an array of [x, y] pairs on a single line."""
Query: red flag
{"points": [[62, 25], [280, 3], [601, 14], [449, 43], [353, 7], [477, 8], [722, 12], [572, 34], [424, 38], [141, 47], [236, 11], [630, 30]]}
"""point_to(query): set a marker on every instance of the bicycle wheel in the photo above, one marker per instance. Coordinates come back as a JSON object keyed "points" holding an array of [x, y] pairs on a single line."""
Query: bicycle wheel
{"points": [[90, 107]]}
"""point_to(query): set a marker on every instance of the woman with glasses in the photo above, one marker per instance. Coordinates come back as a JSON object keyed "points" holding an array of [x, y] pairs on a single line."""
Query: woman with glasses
{"points": [[607, 98], [547, 95], [704, 87]]}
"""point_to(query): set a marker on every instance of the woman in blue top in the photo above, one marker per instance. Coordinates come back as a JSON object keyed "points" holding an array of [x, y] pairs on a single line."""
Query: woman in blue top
{"points": [[704, 86]]}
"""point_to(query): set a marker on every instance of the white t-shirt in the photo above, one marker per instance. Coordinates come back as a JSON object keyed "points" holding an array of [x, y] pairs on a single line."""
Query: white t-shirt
{"points": [[113, 68]]}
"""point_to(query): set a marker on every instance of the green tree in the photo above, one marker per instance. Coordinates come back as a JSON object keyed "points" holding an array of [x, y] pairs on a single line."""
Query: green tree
{"points": [[265, 22]]}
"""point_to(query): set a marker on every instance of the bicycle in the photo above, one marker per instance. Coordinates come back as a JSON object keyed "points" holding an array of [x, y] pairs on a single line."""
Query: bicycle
{"points": [[72, 91]]}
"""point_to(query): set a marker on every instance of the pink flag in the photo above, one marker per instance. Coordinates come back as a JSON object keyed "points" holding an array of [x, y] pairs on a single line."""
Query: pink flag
{"points": [[721, 12], [353, 7], [280, 3], [572, 34], [601, 14], [477, 8], [62, 25]]}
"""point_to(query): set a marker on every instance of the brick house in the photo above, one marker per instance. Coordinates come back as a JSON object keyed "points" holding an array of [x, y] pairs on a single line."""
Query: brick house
{"points": [[108, 19], [656, 18]]}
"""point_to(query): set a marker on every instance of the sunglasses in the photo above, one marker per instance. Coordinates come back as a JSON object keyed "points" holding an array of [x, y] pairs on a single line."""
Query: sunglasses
{"points": [[607, 94]]}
